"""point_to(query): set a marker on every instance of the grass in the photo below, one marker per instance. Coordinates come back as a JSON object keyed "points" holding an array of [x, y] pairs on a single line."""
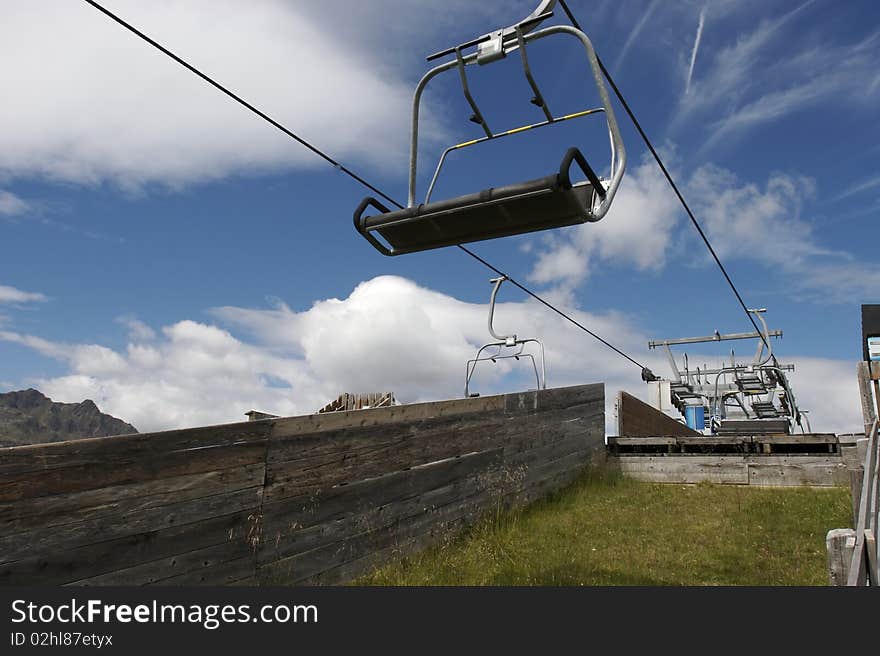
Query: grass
{"points": [[610, 530]]}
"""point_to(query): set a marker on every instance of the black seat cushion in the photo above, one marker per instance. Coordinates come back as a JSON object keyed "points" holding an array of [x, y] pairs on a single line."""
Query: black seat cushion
{"points": [[497, 212]]}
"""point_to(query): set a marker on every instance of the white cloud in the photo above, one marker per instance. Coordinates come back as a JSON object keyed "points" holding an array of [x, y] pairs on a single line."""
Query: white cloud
{"points": [[389, 334], [13, 295], [829, 390], [12, 205], [138, 331], [86, 101], [637, 231], [744, 221]]}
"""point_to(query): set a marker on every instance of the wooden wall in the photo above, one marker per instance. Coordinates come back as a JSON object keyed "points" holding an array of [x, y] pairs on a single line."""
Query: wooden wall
{"points": [[636, 418], [772, 461], [314, 499]]}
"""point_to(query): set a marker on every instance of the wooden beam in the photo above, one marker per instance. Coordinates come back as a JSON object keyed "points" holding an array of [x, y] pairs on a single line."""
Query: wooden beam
{"points": [[839, 543], [869, 410]]}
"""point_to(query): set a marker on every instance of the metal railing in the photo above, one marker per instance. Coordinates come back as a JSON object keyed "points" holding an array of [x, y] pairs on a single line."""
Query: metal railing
{"points": [[863, 565], [852, 553]]}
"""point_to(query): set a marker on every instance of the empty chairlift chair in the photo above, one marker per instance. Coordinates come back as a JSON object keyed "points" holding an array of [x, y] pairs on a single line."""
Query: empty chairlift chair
{"points": [[506, 347], [553, 201]]}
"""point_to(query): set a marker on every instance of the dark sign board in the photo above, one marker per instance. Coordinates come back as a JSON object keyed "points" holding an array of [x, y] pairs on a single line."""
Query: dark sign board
{"points": [[871, 332]]}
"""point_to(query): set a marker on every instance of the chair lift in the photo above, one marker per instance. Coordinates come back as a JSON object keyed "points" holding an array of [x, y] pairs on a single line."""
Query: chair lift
{"points": [[504, 342], [754, 389], [550, 202]]}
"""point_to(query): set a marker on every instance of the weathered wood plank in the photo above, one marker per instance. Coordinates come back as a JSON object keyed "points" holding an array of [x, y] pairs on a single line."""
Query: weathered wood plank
{"points": [[448, 524], [366, 457], [250, 581], [184, 506], [293, 426], [871, 552], [77, 563], [300, 568], [839, 543], [106, 451], [293, 478], [635, 418], [782, 471], [282, 518], [220, 573], [301, 540], [162, 569], [351, 440], [59, 510], [866, 396], [21, 545], [642, 441], [685, 469], [164, 465], [563, 399], [549, 452], [807, 438]]}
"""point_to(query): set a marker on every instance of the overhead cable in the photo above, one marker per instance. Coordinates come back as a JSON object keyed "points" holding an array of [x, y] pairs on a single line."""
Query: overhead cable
{"points": [[645, 371]]}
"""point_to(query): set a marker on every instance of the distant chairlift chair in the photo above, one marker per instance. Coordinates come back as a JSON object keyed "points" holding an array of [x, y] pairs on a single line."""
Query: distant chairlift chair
{"points": [[507, 346], [549, 202]]}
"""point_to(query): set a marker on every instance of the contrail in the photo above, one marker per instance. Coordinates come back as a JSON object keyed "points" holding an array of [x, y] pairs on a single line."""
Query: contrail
{"points": [[699, 37], [634, 34]]}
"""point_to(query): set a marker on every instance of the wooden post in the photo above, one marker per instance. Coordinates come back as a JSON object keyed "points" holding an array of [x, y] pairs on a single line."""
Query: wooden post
{"points": [[871, 548], [856, 476], [868, 409], [840, 543]]}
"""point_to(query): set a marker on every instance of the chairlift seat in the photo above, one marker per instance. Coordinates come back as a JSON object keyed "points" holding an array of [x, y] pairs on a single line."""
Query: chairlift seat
{"points": [[549, 202]]}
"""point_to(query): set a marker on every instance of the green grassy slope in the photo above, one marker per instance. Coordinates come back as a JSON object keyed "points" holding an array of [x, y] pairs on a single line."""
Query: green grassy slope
{"points": [[608, 530]]}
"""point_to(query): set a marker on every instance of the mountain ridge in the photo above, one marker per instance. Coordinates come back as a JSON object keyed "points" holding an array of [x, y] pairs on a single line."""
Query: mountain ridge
{"points": [[30, 417]]}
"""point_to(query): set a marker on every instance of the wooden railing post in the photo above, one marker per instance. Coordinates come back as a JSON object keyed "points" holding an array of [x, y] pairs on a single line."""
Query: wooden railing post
{"points": [[840, 543]]}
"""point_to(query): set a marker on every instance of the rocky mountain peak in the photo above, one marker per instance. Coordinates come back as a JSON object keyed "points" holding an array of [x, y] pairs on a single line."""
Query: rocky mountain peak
{"points": [[30, 417]]}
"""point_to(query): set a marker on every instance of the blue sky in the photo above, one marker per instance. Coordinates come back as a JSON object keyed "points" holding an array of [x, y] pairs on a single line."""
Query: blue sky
{"points": [[179, 261]]}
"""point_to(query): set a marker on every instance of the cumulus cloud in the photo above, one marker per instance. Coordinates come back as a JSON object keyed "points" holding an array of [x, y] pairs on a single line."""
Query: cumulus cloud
{"points": [[829, 390], [389, 334], [86, 101], [13, 295], [637, 232]]}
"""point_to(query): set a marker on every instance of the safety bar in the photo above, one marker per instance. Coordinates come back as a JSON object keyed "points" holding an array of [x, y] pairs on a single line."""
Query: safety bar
{"points": [[574, 155], [358, 213], [474, 142]]}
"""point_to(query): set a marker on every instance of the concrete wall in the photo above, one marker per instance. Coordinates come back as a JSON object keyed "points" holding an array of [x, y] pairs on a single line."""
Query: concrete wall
{"points": [[315, 499]]}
